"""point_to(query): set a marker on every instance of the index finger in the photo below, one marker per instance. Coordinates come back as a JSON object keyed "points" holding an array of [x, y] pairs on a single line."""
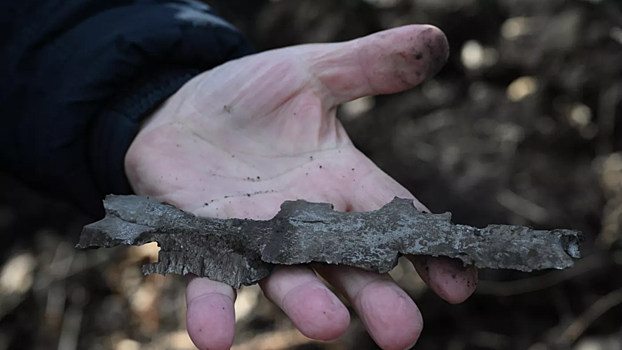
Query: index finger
{"points": [[446, 277]]}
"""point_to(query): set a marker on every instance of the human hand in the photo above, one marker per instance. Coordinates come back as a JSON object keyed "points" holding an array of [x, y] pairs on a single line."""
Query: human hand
{"points": [[242, 138]]}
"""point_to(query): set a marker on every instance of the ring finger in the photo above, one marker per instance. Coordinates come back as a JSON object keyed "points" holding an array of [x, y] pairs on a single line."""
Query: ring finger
{"points": [[311, 306], [389, 314]]}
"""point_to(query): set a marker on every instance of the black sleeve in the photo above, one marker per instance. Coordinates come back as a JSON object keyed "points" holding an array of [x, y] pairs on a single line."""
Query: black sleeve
{"points": [[77, 76]]}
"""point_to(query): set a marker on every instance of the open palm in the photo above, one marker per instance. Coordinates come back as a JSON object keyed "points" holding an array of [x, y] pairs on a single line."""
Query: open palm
{"points": [[240, 139]]}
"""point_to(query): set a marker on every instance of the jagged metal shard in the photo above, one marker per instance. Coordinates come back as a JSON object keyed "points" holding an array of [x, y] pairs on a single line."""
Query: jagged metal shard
{"points": [[241, 252]]}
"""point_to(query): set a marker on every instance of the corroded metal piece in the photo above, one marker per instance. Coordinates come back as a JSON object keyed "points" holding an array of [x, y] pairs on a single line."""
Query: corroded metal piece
{"points": [[241, 252]]}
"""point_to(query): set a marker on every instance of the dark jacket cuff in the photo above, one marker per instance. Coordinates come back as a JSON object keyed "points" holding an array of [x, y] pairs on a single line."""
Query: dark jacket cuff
{"points": [[79, 76], [117, 126]]}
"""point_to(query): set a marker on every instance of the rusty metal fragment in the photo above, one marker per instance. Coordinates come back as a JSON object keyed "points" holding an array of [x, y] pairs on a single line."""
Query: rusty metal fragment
{"points": [[241, 252]]}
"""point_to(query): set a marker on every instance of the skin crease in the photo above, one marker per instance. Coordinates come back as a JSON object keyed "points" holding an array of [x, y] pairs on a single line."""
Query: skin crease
{"points": [[238, 140]]}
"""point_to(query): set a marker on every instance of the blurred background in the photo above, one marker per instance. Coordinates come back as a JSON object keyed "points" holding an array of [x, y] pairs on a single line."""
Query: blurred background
{"points": [[523, 126]]}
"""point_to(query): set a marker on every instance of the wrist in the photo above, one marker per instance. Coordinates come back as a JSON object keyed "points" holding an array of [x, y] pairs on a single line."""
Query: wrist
{"points": [[119, 123]]}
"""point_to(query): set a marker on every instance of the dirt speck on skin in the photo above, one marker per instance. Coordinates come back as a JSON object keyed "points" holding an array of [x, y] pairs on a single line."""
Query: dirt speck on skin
{"points": [[438, 50], [400, 75], [460, 266], [426, 268]]}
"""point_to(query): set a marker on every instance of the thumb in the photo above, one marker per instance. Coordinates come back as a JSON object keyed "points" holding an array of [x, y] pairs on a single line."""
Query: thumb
{"points": [[382, 63]]}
